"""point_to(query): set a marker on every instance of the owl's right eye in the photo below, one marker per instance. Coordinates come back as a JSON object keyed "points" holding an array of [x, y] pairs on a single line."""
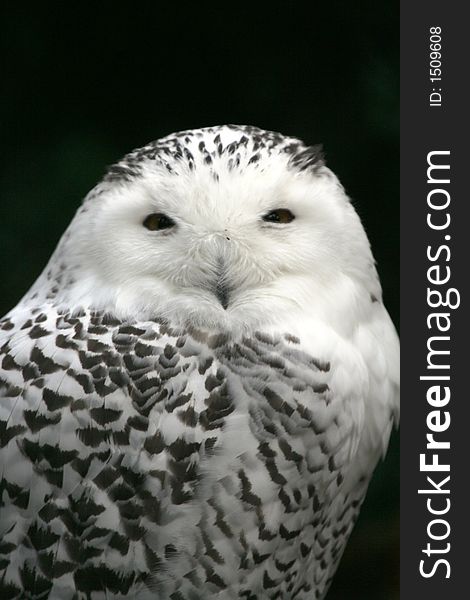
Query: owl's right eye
{"points": [[158, 221], [280, 215]]}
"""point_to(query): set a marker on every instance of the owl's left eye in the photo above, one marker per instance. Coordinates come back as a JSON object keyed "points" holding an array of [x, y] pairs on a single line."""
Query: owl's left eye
{"points": [[280, 215], [157, 221]]}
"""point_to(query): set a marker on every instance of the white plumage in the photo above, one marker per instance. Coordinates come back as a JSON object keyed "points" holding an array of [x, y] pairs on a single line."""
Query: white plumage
{"points": [[195, 392]]}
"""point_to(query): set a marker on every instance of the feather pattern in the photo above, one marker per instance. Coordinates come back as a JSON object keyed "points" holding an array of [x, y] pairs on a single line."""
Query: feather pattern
{"points": [[148, 456]]}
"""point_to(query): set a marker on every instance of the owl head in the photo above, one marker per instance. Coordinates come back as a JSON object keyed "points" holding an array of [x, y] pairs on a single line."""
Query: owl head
{"points": [[224, 227]]}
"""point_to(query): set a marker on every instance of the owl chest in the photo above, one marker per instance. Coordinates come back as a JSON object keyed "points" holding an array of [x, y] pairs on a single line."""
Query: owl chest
{"points": [[258, 412], [226, 451]]}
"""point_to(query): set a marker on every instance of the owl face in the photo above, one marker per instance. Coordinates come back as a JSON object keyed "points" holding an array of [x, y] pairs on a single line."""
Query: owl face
{"points": [[211, 245]]}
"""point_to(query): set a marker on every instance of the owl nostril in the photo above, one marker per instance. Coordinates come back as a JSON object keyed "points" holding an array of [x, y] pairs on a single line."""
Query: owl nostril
{"points": [[227, 238]]}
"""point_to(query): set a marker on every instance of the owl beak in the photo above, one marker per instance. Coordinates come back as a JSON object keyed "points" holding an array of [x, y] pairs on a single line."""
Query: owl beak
{"points": [[221, 287], [222, 293]]}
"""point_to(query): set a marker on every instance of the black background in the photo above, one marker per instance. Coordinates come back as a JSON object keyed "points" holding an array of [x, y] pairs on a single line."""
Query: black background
{"points": [[84, 83]]}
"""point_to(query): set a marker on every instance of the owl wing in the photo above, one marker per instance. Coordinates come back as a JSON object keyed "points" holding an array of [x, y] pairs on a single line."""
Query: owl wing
{"points": [[87, 477]]}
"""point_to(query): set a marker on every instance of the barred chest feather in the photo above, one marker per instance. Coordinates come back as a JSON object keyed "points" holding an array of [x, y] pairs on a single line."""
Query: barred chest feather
{"points": [[138, 461]]}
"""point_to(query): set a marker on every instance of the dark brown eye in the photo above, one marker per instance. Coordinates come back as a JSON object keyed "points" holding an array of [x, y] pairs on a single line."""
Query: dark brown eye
{"points": [[157, 221], [280, 215]]}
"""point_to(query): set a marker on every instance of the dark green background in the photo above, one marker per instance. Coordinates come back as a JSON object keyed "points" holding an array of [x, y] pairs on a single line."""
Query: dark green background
{"points": [[84, 83]]}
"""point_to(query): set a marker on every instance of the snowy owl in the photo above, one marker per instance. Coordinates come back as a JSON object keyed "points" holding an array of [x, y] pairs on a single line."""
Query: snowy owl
{"points": [[195, 392]]}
